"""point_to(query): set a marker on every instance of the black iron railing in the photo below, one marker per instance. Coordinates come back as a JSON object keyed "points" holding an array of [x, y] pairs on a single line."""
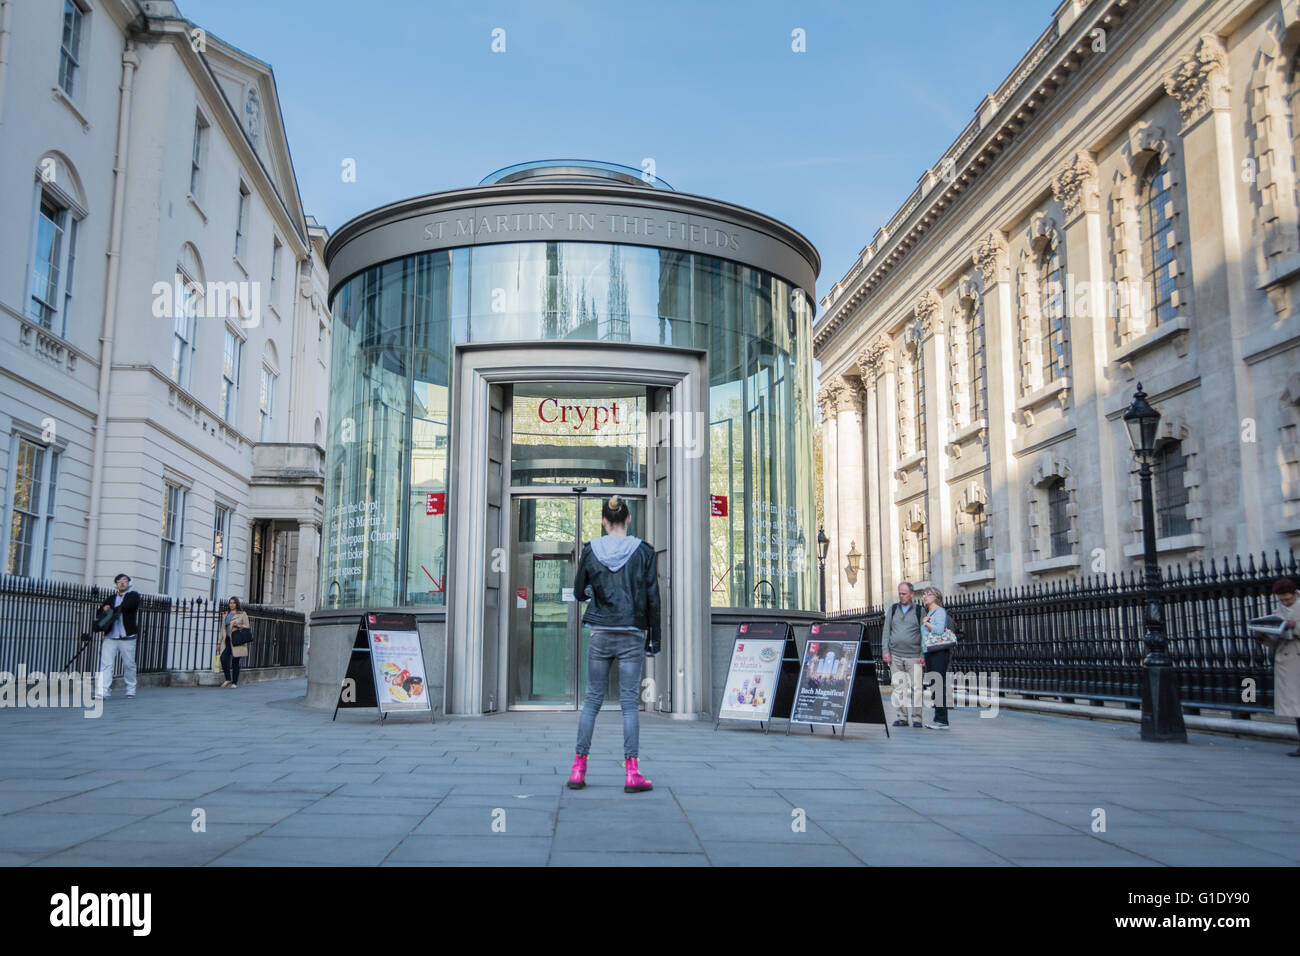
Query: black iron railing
{"points": [[1082, 639], [42, 624]]}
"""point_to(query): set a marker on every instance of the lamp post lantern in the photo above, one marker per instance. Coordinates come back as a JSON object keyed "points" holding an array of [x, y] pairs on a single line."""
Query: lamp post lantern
{"points": [[823, 546], [1162, 711]]}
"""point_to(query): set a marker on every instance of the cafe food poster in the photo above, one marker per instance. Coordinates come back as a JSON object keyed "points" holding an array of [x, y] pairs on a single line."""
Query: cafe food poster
{"points": [[751, 680], [398, 664], [825, 680]]}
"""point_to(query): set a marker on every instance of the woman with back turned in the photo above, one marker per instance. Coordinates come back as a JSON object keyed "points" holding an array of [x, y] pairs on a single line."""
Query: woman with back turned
{"points": [[617, 573]]}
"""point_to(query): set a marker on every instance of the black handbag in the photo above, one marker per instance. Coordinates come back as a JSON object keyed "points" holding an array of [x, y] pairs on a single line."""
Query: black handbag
{"points": [[240, 636], [104, 619]]}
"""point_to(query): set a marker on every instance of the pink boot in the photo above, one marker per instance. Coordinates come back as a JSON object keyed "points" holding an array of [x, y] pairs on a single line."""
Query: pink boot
{"points": [[578, 775], [635, 783]]}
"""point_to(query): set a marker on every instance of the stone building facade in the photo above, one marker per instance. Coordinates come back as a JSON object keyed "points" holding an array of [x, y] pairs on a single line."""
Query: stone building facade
{"points": [[164, 328], [1123, 208]]}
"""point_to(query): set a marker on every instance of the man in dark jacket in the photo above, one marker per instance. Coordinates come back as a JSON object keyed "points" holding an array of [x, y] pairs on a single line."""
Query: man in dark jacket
{"points": [[617, 573], [119, 640]]}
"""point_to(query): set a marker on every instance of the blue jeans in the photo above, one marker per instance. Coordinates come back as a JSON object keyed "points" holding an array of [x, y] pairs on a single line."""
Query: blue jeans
{"points": [[628, 648]]}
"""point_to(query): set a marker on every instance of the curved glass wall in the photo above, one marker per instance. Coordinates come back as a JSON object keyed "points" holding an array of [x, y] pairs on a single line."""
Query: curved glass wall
{"points": [[384, 541]]}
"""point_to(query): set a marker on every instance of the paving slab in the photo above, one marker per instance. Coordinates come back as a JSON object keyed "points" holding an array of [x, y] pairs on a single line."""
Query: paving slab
{"points": [[279, 783]]}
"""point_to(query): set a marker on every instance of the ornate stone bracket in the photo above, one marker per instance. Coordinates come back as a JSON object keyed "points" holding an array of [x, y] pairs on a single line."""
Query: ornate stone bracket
{"points": [[1199, 83], [990, 258], [1075, 186], [927, 307]]}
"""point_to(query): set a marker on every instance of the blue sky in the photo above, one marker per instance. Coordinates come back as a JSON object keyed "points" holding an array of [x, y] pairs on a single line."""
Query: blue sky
{"points": [[831, 140]]}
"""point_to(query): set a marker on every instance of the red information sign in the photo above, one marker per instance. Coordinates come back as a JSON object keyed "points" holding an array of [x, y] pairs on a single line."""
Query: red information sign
{"points": [[435, 503], [718, 506]]}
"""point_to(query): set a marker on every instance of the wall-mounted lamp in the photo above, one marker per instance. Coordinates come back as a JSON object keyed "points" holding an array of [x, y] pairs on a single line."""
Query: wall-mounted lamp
{"points": [[855, 557]]}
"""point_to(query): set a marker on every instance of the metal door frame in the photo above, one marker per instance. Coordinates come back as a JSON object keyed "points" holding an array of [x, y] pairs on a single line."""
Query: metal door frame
{"points": [[473, 676], [575, 630]]}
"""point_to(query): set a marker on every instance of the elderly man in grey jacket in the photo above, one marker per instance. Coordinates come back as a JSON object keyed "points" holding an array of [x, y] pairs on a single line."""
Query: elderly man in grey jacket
{"points": [[900, 646]]}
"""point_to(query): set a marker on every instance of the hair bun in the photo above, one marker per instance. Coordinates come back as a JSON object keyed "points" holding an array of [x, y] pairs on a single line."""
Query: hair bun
{"points": [[614, 502]]}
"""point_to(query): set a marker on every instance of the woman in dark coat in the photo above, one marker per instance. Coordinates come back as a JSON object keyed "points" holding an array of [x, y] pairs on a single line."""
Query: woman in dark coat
{"points": [[617, 572], [232, 654]]}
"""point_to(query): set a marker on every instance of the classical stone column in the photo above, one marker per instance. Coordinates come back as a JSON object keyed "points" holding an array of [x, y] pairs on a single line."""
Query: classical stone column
{"points": [[870, 363], [1200, 85], [1075, 188], [828, 399], [305, 579], [939, 518], [891, 562], [304, 586], [853, 487], [1006, 508]]}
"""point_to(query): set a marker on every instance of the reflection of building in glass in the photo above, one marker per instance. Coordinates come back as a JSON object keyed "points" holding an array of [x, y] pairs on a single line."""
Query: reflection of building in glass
{"points": [[754, 330]]}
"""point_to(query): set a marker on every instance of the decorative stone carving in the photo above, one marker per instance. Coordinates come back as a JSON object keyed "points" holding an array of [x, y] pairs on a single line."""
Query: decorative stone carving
{"points": [[1042, 229], [1075, 185], [1148, 138], [848, 398], [1199, 83], [880, 355], [828, 398], [927, 307], [866, 369], [973, 497], [913, 336], [967, 290], [990, 258]]}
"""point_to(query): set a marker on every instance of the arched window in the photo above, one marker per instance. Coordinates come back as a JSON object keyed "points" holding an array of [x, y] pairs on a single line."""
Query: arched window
{"points": [[188, 290], [978, 533], [1058, 500], [979, 393], [918, 397], [1171, 493], [923, 553], [1051, 291], [1158, 239]]}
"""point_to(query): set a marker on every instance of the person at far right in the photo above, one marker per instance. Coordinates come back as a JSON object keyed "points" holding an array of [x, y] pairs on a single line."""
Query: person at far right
{"points": [[1286, 655], [936, 662]]}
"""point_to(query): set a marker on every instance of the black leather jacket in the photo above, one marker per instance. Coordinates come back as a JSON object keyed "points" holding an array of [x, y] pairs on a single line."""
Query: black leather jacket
{"points": [[628, 597]]}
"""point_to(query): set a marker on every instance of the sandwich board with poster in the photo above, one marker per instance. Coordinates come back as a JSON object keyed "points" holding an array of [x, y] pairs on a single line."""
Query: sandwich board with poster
{"points": [[386, 668], [758, 661], [825, 680]]}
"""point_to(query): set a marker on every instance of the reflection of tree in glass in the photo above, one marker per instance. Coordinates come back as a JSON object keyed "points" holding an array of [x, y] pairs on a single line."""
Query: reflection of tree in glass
{"points": [[726, 477]]}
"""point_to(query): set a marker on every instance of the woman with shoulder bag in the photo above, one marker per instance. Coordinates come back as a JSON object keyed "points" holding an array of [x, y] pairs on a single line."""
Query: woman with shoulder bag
{"points": [[231, 652], [938, 647]]}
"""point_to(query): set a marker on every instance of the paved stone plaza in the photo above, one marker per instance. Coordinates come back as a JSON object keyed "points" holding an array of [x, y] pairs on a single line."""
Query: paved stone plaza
{"points": [[280, 784]]}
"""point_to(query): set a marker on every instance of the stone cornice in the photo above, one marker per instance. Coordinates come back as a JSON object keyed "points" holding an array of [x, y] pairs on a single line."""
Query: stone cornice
{"points": [[1045, 69]]}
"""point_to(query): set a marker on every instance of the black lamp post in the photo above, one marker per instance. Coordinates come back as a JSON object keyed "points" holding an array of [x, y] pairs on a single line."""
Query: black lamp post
{"points": [[1162, 711], [823, 546]]}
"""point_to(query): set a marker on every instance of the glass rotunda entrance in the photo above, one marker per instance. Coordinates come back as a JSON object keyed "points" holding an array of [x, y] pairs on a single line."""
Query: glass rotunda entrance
{"points": [[507, 355]]}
